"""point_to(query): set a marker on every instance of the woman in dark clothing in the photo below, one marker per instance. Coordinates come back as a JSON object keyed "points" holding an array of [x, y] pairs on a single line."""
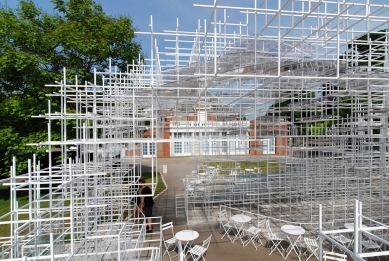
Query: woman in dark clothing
{"points": [[146, 203], [133, 190]]}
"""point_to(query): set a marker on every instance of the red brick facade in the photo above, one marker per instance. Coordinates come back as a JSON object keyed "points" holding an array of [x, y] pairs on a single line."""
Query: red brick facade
{"points": [[281, 141]]}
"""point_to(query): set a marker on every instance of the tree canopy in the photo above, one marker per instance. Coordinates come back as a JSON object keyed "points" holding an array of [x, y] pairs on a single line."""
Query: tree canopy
{"points": [[371, 44], [35, 46]]}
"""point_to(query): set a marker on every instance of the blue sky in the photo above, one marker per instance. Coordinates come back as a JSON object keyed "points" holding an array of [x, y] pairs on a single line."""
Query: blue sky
{"points": [[164, 12]]}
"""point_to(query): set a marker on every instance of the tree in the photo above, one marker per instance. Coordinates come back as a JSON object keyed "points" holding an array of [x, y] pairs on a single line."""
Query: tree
{"points": [[372, 44], [35, 46]]}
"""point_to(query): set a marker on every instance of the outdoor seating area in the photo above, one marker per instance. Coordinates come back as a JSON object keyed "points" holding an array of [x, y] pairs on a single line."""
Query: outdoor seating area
{"points": [[206, 188], [181, 245], [278, 194], [257, 195], [257, 234], [296, 240], [252, 230]]}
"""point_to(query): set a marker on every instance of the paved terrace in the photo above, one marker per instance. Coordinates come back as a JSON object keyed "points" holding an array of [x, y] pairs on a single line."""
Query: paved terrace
{"points": [[219, 249]]}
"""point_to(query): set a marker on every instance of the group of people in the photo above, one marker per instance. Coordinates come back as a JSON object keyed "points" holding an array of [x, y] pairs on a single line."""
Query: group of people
{"points": [[143, 204]]}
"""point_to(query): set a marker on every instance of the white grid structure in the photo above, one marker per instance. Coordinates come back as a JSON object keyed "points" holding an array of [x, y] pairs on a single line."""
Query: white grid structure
{"points": [[311, 76], [81, 210], [291, 82]]}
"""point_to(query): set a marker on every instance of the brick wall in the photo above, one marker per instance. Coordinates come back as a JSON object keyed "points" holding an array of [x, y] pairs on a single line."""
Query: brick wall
{"points": [[212, 118], [165, 146]]}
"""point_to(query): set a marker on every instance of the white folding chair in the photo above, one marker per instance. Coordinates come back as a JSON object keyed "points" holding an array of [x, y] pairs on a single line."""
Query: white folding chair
{"points": [[252, 234], [221, 217], [275, 239], [312, 247], [228, 226], [370, 244], [345, 241], [198, 251], [334, 256], [170, 243]]}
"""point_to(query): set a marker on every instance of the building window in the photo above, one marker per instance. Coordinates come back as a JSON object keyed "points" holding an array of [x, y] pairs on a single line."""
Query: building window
{"points": [[187, 147], [205, 147], [241, 147], [182, 147], [232, 147], [152, 148], [177, 135], [224, 146], [148, 149], [214, 147], [177, 147], [197, 144], [237, 146], [269, 146]]}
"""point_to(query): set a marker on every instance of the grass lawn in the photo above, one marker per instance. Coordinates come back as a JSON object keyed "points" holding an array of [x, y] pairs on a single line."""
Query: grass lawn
{"points": [[5, 207], [160, 187]]}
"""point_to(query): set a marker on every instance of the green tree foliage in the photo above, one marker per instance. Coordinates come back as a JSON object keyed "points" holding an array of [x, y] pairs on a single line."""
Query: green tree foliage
{"points": [[35, 46], [370, 44], [319, 128]]}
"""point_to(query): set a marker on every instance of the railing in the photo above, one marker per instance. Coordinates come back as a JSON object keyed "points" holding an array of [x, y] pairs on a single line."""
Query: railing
{"points": [[359, 233]]}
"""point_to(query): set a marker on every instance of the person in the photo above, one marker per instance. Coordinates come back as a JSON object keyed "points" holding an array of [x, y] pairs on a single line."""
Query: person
{"points": [[133, 190], [146, 203]]}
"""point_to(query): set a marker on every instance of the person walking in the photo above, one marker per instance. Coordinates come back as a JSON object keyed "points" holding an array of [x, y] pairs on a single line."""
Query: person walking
{"points": [[146, 203], [135, 200]]}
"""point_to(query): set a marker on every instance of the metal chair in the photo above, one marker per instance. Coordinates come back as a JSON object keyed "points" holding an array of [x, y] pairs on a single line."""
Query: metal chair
{"points": [[275, 239], [334, 256], [221, 217], [370, 244], [252, 234], [228, 226], [345, 241], [170, 243], [198, 251], [312, 247]]}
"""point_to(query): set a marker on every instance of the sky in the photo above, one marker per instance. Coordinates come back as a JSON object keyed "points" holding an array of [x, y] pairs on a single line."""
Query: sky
{"points": [[164, 13]]}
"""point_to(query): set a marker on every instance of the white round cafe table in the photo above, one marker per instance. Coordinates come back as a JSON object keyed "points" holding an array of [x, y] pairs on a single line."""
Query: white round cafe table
{"points": [[187, 236], [295, 233], [293, 230], [242, 219]]}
